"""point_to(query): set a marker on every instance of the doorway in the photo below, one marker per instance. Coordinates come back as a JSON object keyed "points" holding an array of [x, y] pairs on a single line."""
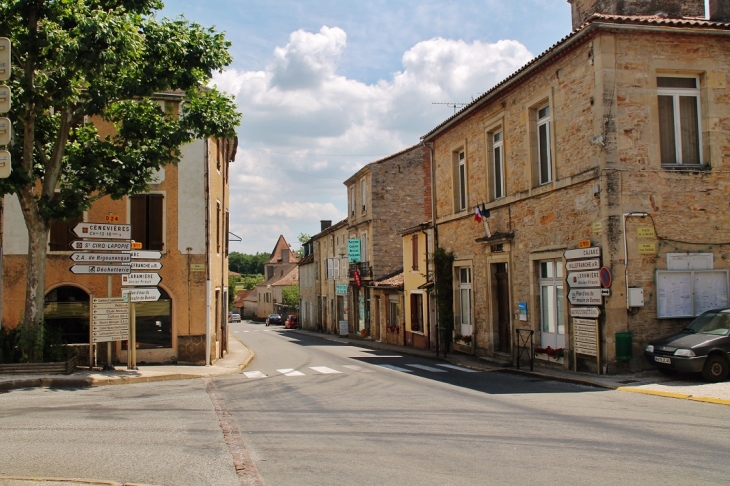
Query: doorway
{"points": [[503, 307]]}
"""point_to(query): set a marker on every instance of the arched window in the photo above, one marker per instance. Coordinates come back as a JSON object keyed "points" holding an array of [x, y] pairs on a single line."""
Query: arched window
{"points": [[66, 311]]}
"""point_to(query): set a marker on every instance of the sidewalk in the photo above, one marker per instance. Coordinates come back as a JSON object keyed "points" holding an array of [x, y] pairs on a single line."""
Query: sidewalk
{"points": [[647, 382], [237, 358]]}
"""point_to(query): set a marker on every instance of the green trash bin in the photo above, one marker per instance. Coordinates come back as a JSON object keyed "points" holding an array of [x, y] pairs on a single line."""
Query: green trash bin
{"points": [[624, 347]]}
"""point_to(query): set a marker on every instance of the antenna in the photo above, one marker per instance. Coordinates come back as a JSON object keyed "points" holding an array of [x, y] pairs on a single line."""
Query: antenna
{"points": [[453, 105]]}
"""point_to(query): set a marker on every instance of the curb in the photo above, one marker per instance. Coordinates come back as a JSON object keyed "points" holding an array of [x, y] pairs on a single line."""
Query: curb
{"points": [[564, 379], [74, 481], [679, 396]]}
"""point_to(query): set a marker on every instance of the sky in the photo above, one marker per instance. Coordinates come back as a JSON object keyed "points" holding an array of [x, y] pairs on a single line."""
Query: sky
{"points": [[328, 86]]}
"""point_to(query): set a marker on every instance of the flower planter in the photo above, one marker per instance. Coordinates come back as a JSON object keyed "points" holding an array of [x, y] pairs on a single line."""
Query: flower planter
{"points": [[59, 367]]}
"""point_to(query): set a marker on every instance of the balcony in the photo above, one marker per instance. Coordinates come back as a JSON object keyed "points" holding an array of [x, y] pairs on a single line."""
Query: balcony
{"points": [[363, 267]]}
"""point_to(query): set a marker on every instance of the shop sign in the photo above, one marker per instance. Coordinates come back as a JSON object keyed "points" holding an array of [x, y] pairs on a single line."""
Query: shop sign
{"points": [[341, 289], [356, 276], [353, 250]]}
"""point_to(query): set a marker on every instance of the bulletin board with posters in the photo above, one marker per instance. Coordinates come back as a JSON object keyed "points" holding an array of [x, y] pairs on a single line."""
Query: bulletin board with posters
{"points": [[682, 294]]}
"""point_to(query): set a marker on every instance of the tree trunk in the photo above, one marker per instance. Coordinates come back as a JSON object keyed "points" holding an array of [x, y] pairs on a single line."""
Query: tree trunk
{"points": [[38, 230]]}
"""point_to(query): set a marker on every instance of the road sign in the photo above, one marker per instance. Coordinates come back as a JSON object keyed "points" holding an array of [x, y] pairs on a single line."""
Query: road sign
{"points": [[141, 294], [101, 257], [583, 296], [109, 320], [104, 230], [4, 99], [6, 130], [593, 312], [101, 269], [100, 245], [591, 264], [141, 278], [606, 277], [5, 59], [5, 165], [584, 279], [585, 333], [145, 254], [594, 251], [146, 265]]}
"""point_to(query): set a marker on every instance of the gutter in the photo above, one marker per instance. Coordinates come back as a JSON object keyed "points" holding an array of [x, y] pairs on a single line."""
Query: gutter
{"points": [[208, 302]]}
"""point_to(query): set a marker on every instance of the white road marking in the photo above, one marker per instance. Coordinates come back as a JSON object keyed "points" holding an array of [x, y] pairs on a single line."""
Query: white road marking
{"points": [[290, 372], [254, 374], [246, 331], [427, 368], [395, 368], [324, 370], [357, 368], [458, 368]]}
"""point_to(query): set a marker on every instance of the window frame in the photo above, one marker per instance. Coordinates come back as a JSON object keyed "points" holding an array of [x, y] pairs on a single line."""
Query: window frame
{"points": [[364, 195], [70, 236], [676, 94], [146, 245], [464, 289], [495, 186], [461, 179], [414, 252], [416, 307], [540, 122]]}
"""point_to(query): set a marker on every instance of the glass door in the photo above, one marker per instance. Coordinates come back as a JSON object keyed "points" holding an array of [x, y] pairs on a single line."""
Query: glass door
{"points": [[552, 304]]}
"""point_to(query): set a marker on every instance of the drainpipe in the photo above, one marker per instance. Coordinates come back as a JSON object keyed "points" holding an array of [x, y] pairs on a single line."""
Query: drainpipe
{"points": [[207, 255]]}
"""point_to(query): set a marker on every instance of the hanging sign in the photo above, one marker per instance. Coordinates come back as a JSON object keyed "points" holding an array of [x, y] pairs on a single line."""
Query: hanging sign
{"points": [[358, 279], [102, 230], [353, 250]]}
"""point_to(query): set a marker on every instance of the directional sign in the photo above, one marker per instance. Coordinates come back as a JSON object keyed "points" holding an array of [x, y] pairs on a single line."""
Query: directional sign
{"points": [[109, 319], [591, 264], [101, 257], [142, 294], [594, 251], [141, 278], [145, 254], [585, 333], [593, 312], [101, 269], [104, 230], [582, 296], [146, 265], [100, 245], [584, 279]]}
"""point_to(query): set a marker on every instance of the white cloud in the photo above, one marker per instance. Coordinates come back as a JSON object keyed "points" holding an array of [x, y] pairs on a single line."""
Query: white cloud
{"points": [[306, 128]]}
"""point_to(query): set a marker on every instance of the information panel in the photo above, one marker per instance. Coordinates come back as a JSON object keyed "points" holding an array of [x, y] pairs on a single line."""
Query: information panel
{"points": [[690, 293]]}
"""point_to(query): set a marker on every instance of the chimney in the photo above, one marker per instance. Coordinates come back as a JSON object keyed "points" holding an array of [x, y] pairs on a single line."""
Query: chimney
{"points": [[583, 9], [720, 11], [324, 224]]}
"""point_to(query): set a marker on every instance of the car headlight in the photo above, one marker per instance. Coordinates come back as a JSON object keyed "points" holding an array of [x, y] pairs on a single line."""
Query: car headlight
{"points": [[649, 348], [684, 352]]}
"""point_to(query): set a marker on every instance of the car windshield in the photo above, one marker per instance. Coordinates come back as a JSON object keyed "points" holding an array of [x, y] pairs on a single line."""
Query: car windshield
{"points": [[711, 322]]}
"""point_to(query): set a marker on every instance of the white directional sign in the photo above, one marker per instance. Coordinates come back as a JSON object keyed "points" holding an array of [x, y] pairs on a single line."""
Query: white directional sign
{"points": [[594, 251], [591, 264], [583, 296], [104, 230], [584, 279], [142, 278], [101, 257], [593, 312], [142, 294], [100, 245], [101, 269], [145, 254], [585, 332], [146, 265], [110, 320]]}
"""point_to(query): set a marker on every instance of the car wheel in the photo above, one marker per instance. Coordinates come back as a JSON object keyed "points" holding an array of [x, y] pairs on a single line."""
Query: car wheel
{"points": [[716, 369]]}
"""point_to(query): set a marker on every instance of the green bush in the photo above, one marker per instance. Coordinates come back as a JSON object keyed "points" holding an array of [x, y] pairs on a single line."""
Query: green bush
{"points": [[18, 346]]}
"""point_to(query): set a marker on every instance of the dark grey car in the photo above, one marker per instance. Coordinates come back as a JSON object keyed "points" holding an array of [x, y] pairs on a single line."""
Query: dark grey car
{"points": [[701, 347]]}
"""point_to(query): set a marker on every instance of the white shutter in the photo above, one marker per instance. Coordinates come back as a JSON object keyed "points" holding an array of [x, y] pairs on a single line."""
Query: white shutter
{"points": [[337, 268], [330, 269]]}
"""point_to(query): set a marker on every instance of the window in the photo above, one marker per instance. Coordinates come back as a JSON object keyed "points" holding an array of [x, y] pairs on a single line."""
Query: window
{"points": [[336, 266], [218, 226], [330, 269], [364, 247], [393, 314], [364, 190], [460, 181], [147, 219], [228, 229], [417, 312], [552, 311], [414, 251], [545, 172], [61, 235], [464, 301], [352, 201], [679, 123], [497, 165]]}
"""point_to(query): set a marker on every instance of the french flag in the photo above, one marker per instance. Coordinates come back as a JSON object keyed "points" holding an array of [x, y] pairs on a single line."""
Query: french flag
{"points": [[477, 215]]}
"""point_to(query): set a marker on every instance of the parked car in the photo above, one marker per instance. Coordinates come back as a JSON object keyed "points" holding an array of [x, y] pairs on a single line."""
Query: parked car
{"points": [[701, 347], [273, 319], [233, 317], [292, 322]]}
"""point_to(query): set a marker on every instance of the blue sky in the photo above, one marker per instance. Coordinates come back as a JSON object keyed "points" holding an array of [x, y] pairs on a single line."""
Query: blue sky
{"points": [[327, 86]]}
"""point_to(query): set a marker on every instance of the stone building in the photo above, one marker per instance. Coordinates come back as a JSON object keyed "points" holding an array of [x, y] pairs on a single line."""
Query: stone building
{"points": [[278, 272], [384, 197], [307, 293], [329, 305], [185, 217], [602, 169]]}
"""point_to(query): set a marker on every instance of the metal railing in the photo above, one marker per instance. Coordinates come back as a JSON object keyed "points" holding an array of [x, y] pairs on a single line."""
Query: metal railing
{"points": [[524, 343], [363, 267]]}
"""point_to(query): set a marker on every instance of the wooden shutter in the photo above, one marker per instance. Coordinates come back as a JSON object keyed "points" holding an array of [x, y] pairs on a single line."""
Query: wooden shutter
{"points": [[61, 235], [155, 221], [138, 218], [414, 251]]}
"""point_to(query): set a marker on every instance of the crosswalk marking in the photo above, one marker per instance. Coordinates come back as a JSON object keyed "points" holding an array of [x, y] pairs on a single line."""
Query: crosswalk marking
{"points": [[395, 368], [357, 368], [254, 374], [426, 368], [290, 372], [324, 370], [458, 368]]}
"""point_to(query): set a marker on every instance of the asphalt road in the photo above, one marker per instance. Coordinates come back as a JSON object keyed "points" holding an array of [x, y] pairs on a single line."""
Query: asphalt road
{"points": [[307, 411]]}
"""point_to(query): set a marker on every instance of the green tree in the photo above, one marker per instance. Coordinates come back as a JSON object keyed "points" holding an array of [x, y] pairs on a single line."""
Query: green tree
{"points": [[251, 281], [290, 296], [303, 238], [247, 264], [103, 59]]}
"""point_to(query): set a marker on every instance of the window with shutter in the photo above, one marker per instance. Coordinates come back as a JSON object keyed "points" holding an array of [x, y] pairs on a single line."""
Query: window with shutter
{"points": [[61, 235], [336, 262], [147, 219]]}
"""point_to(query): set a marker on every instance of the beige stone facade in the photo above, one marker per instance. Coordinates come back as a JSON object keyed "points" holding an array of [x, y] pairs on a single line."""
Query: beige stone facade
{"points": [[190, 230], [580, 137], [418, 304]]}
